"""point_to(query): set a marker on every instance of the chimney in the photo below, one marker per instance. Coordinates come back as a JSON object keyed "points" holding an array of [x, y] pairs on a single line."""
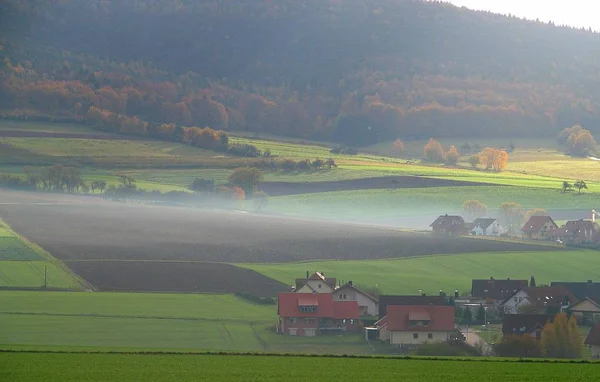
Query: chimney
{"points": [[307, 274], [456, 293]]}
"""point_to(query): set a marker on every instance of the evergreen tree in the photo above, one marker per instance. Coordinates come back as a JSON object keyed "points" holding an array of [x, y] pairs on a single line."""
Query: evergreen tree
{"points": [[481, 315], [532, 282], [467, 316]]}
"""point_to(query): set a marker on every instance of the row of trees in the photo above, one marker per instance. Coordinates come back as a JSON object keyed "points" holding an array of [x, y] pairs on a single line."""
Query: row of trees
{"points": [[490, 158]]}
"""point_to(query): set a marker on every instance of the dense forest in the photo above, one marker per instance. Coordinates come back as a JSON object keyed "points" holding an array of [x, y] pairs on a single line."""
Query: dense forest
{"points": [[349, 71]]}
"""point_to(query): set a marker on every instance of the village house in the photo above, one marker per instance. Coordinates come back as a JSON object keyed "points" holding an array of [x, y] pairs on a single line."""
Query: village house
{"points": [[367, 304], [388, 300], [487, 227], [577, 232], [524, 324], [312, 314], [549, 300], [586, 310], [417, 324], [593, 341], [539, 228], [315, 283], [449, 225], [581, 289], [495, 291]]}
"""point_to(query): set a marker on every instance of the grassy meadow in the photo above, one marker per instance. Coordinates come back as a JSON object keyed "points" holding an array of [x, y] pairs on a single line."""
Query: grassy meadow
{"points": [[446, 272], [100, 367], [24, 264]]}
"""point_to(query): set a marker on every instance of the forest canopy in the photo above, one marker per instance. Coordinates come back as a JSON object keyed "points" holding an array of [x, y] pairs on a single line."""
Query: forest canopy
{"points": [[351, 71]]}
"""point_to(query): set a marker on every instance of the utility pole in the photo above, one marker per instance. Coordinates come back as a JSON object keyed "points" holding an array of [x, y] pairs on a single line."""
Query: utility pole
{"points": [[45, 276]]}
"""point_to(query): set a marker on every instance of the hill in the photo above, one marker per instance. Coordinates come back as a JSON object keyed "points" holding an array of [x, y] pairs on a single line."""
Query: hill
{"points": [[349, 71]]}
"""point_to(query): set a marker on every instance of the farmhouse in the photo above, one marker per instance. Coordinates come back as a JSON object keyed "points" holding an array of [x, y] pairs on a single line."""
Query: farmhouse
{"points": [[315, 283], [577, 232], [495, 291], [581, 290], [593, 341], [487, 227], [586, 310], [312, 314], [450, 225], [389, 300], [539, 228], [524, 324], [367, 304], [542, 299], [417, 324]]}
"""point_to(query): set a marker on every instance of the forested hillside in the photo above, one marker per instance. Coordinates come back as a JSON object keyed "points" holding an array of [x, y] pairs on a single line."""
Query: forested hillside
{"points": [[350, 71]]}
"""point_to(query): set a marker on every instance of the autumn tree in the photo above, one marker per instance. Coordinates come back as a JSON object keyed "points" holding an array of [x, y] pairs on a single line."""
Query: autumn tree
{"points": [[579, 185], [475, 209], [535, 212], [452, 155], [493, 159], [582, 143], [561, 338], [512, 215], [247, 178], [523, 346], [564, 135], [434, 151], [398, 146]]}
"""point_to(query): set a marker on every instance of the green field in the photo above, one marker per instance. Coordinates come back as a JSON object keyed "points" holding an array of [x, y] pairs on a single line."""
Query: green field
{"points": [[24, 264], [101, 367], [446, 272]]}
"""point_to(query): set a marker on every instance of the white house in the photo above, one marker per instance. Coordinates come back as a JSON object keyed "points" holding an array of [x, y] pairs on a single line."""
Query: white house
{"points": [[487, 227], [367, 304], [315, 283], [542, 299]]}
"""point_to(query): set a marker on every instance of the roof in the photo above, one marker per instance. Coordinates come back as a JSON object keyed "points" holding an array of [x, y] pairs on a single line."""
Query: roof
{"points": [[331, 281], [441, 318], [593, 337], [513, 324], [552, 296], [581, 289], [577, 228], [385, 300], [496, 289], [535, 223], [289, 306], [351, 286], [593, 301], [448, 221], [483, 223]]}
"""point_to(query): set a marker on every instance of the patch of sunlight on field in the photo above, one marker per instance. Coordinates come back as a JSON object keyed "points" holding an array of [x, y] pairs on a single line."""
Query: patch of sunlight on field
{"points": [[446, 272], [570, 169]]}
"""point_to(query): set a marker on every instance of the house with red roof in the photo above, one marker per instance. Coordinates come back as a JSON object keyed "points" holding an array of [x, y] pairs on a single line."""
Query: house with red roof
{"points": [[312, 314], [577, 232], [539, 228], [417, 324]]}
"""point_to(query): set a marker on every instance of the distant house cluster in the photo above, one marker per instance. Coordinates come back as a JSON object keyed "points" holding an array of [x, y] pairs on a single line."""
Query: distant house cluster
{"points": [[575, 232]]}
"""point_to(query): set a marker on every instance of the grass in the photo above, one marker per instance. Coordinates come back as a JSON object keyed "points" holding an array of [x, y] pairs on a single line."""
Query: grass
{"points": [[67, 128], [389, 204], [446, 272], [70, 367], [24, 264]]}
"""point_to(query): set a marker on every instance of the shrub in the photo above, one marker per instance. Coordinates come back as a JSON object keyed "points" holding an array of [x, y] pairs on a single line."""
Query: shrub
{"points": [[452, 155], [244, 150], [518, 346], [256, 299]]}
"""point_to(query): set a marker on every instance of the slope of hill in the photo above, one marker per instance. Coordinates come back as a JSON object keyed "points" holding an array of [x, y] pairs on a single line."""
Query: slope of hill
{"points": [[351, 71]]}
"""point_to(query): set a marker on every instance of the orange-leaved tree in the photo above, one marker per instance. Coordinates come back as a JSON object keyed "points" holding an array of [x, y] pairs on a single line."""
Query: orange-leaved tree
{"points": [[398, 147], [434, 151], [493, 159], [452, 155]]}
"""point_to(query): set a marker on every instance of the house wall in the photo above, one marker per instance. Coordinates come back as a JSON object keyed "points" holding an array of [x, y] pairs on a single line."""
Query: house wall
{"points": [[496, 229], [585, 306], [299, 326], [512, 305], [477, 231], [595, 351], [407, 337], [318, 286], [367, 306], [543, 233], [384, 334]]}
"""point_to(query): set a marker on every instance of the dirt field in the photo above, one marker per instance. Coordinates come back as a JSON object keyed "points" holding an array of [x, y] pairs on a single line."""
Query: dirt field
{"points": [[86, 228], [164, 276], [288, 188]]}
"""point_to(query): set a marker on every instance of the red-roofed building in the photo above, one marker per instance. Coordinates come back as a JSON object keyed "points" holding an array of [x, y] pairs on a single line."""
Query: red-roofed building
{"points": [[311, 314], [577, 232], [417, 324], [539, 228]]}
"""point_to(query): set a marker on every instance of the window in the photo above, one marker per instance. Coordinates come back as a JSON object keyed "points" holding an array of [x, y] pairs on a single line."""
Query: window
{"points": [[340, 297], [308, 309], [344, 297], [426, 323], [415, 335], [430, 335], [308, 320], [292, 320]]}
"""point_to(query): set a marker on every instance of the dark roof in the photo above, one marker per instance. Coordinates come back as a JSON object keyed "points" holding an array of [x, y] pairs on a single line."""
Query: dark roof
{"points": [[553, 296], [516, 324], [593, 337], [535, 223], [448, 221], [580, 229], [484, 223], [386, 300], [581, 290], [496, 289]]}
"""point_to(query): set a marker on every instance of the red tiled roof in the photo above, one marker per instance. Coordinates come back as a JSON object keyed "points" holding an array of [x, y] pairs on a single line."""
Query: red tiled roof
{"points": [[345, 309], [418, 316], [441, 317], [289, 306], [535, 223], [593, 338]]}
